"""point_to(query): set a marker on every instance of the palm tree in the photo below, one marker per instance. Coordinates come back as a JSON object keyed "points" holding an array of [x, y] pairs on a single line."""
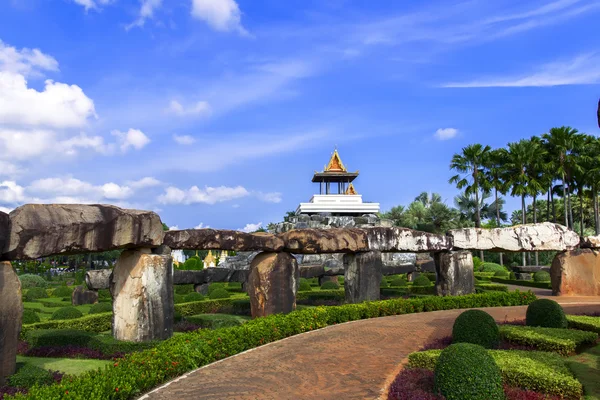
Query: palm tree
{"points": [[592, 172], [495, 175], [429, 199], [536, 179]]}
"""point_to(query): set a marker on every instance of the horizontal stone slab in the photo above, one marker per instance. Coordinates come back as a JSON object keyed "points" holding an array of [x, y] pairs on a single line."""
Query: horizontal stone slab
{"points": [[98, 279], [590, 242], [531, 237], [218, 239], [406, 240], [41, 230], [182, 277], [319, 241]]}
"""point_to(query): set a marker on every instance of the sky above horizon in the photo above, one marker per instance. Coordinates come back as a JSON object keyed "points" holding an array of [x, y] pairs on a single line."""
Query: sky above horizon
{"points": [[217, 112]]}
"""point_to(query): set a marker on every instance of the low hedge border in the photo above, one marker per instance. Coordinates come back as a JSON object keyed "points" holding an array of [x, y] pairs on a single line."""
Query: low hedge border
{"points": [[539, 285], [139, 372], [534, 370], [89, 323], [584, 323], [53, 304], [556, 340], [221, 306], [492, 287]]}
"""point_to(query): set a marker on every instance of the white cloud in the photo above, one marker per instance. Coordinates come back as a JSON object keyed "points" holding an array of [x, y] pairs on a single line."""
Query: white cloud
{"points": [[184, 139], [25, 61], [145, 182], [70, 190], [9, 169], [59, 105], [92, 4], [221, 15], [132, 138], [201, 226], [271, 197], [146, 11], [11, 192], [581, 70], [208, 195], [200, 108], [6, 209], [445, 133], [83, 141], [112, 191], [174, 228], [251, 227]]}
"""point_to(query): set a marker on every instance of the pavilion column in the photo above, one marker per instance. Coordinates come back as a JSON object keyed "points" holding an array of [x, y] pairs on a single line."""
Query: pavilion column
{"points": [[362, 276]]}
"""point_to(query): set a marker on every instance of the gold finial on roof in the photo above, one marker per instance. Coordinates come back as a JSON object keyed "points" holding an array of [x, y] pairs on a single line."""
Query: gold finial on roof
{"points": [[335, 163], [351, 189], [209, 258]]}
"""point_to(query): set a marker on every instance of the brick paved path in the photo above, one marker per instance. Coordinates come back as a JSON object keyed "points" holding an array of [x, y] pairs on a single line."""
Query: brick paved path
{"points": [[356, 360]]}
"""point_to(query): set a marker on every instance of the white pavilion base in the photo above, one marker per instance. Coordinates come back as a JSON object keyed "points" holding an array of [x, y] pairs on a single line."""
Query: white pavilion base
{"points": [[344, 204]]}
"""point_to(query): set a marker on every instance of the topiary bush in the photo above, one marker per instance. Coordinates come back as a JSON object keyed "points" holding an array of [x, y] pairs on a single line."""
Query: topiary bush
{"points": [[178, 298], [304, 286], [541, 276], [36, 293], [214, 286], [432, 276], [477, 263], [62, 291], [30, 316], [100, 308], [219, 293], [546, 313], [29, 281], [184, 289], [502, 274], [398, 281], [476, 327], [421, 281], [193, 263], [194, 296], [66, 313], [466, 371], [330, 285], [492, 267]]}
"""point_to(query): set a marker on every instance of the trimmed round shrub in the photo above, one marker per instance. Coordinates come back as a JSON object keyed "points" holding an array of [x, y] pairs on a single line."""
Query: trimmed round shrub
{"points": [[466, 371], [62, 291], [178, 298], [476, 327], [432, 276], [398, 281], [502, 274], [194, 296], [100, 308], [214, 286], [36, 293], [219, 293], [546, 313], [492, 267], [30, 316], [66, 313], [541, 276], [29, 281], [304, 286], [421, 280], [330, 285], [193, 263]]}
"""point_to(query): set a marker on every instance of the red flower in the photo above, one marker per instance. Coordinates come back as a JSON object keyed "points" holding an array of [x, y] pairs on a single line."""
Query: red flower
{"points": [[116, 389]]}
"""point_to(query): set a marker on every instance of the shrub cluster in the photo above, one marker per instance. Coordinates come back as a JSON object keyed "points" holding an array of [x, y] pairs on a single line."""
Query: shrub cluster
{"points": [[421, 280], [330, 285], [214, 286], [29, 375], [183, 289], [398, 281], [215, 321], [492, 267], [304, 285], [501, 274], [36, 293], [225, 306], [541, 285], [546, 313], [89, 323], [66, 313], [541, 276], [219, 293], [62, 291], [476, 327], [29, 281], [100, 308], [193, 296], [193, 263], [30, 316], [561, 341], [141, 371], [584, 323], [491, 287], [465, 371]]}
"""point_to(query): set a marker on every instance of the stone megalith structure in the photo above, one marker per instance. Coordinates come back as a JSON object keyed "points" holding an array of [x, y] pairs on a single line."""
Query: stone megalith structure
{"points": [[272, 284], [576, 273], [142, 290], [82, 296], [4, 231], [454, 270], [362, 276], [11, 316]]}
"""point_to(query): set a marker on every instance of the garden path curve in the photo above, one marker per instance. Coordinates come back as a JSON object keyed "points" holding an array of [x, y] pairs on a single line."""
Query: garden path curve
{"points": [[355, 360]]}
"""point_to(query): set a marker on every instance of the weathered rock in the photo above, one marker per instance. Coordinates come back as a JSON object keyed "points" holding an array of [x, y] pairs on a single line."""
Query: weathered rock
{"points": [[362, 276], [576, 273], [399, 269], [530, 268], [315, 271], [315, 241], [317, 218], [394, 259], [523, 276], [301, 225], [425, 266], [454, 271], [590, 242], [41, 230], [272, 284], [202, 288], [98, 279], [207, 275], [4, 231], [142, 290], [532, 237], [241, 260], [216, 239], [323, 279], [81, 296], [405, 240], [11, 315]]}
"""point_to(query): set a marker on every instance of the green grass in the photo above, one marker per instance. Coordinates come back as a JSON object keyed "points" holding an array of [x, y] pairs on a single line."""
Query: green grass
{"points": [[66, 365], [586, 368]]}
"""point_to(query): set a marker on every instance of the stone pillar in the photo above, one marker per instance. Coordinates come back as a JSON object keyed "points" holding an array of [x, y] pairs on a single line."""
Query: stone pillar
{"points": [[142, 292], [272, 284], [202, 288], [11, 315], [81, 296], [576, 273], [454, 270], [323, 279], [362, 276]]}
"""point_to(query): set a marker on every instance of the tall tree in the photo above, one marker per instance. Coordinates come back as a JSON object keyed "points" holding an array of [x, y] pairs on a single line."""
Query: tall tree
{"points": [[536, 178], [496, 177]]}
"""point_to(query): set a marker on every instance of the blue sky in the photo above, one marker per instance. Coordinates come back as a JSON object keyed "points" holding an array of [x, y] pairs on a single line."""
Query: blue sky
{"points": [[217, 112]]}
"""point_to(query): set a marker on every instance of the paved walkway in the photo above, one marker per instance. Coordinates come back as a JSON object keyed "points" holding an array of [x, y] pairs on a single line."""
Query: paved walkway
{"points": [[355, 360]]}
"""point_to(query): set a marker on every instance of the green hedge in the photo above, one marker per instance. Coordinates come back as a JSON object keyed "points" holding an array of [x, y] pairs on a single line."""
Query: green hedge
{"points": [[584, 323], [561, 341], [216, 321], [139, 372], [492, 287], [487, 275], [540, 285], [89, 323], [535, 370], [336, 294], [223, 306], [54, 304]]}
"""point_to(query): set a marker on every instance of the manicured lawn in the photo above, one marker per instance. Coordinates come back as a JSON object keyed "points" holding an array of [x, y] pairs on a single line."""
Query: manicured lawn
{"points": [[586, 367], [65, 365]]}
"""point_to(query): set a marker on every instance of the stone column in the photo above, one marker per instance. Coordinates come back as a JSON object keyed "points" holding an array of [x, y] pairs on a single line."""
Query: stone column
{"points": [[142, 292], [362, 276], [11, 315], [576, 273], [454, 270], [272, 284]]}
